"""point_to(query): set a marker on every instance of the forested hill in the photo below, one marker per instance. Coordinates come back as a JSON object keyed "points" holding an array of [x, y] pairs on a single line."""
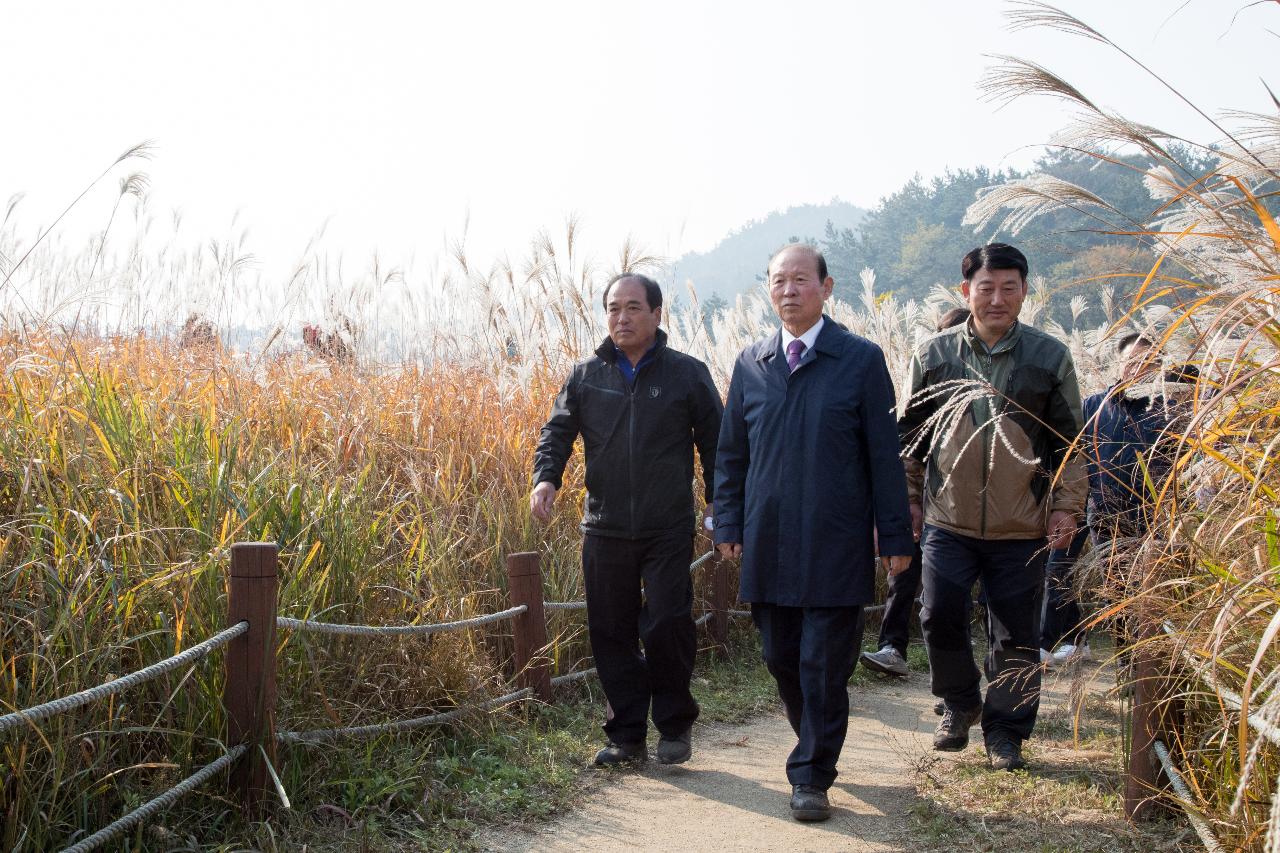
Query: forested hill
{"points": [[914, 238], [738, 261]]}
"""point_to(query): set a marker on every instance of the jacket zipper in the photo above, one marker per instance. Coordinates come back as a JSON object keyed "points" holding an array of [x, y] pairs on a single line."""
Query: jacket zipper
{"points": [[986, 449], [631, 439], [631, 448]]}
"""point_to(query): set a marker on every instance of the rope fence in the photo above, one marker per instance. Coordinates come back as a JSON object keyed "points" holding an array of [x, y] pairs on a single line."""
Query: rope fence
{"points": [[1232, 699], [30, 716], [1184, 794], [249, 689], [570, 677], [159, 804], [398, 630]]}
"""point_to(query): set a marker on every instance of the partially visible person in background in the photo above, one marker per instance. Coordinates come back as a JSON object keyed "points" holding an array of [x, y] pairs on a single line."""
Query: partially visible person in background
{"points": [[1129, 431], [1061, 628], [895, 626]]}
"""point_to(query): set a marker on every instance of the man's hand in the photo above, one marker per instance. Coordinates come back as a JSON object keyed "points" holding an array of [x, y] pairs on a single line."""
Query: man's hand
{"points": [[1062, 529], [897, 565], [540, 500], [729, 550], [917, 520]]}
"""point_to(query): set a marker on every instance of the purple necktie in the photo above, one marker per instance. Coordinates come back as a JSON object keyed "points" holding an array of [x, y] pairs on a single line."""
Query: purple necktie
{"points": [[795, 349]]}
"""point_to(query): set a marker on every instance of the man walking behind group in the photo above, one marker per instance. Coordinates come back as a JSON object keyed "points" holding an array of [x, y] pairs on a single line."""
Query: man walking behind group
{"points": [[807, 469], [993, 408], [895, 623], [640, 408]]}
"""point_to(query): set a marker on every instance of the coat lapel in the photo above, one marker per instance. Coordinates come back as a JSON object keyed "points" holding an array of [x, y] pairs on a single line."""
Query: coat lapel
{"points": [[772, 361]]}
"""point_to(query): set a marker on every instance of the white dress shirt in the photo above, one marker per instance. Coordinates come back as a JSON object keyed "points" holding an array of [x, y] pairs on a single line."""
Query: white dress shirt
{"points": [[809, 338]]}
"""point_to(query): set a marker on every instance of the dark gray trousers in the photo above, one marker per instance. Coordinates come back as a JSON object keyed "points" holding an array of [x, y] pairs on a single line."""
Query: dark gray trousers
{"points": [[639, 590], [1012, 573], [811, 653]]}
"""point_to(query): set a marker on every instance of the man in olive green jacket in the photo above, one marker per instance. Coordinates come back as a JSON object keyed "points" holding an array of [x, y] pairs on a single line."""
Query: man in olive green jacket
{"points": [[992, 410]]}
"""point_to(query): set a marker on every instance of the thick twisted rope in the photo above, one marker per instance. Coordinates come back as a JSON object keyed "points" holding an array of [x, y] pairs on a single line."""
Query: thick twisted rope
{"points": [[702, 620], [323, 735], [159, 804], [701, 560], [1229, 697], [1184, 793], [570, 677], [30, 716], [564, 605], [397, 630], [582, 605]]}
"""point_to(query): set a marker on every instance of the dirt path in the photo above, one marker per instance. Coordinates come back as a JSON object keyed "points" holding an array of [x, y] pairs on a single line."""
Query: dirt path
{"points": [[733, 794]]}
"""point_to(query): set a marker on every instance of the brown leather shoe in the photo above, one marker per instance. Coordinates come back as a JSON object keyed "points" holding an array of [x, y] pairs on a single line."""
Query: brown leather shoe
{"points": [[952, 734]]}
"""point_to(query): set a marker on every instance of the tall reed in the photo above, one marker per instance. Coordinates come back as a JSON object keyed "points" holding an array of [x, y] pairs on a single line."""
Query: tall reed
{"points": [[1206, 572]]}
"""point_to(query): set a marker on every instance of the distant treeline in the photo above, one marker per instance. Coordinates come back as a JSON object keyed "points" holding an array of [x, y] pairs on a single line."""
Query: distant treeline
{"points": [[915, 238]]}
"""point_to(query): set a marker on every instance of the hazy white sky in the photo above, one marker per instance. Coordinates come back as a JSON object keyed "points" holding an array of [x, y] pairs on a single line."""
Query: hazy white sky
{"points": [[670, 121]]}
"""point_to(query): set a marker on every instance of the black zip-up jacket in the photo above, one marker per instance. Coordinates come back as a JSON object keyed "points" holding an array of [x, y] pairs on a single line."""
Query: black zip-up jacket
{"points": [[637, 438]]}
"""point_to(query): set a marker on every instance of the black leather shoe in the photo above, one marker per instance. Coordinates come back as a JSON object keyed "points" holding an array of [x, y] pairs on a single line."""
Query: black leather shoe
{"points": [[809, 803], [616, 754], [675, 750], [952, 734], [1005, 752]]}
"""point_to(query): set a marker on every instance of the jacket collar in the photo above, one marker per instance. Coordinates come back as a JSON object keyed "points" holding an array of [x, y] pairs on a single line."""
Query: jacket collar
{"points": [[1006, 343], [608, 352], [830, 341]]}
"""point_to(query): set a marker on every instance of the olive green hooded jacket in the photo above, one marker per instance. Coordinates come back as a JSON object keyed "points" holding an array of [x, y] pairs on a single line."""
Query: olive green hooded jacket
{"points": [[984, 433]]}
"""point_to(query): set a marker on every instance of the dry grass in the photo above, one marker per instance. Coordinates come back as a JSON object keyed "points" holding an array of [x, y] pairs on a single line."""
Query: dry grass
{"points": [[1067, 800]]}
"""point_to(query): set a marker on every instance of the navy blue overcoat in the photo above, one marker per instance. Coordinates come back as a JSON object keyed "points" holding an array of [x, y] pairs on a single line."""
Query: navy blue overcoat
{"points": [[807, 466]]}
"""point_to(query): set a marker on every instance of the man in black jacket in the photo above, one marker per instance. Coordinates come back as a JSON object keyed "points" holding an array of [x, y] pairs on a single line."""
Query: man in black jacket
{"points": [[640, 408]]}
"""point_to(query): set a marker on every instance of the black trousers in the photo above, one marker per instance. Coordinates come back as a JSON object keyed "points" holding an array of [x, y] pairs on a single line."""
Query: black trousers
{"points": [[1012, 573], [639, 590], [811, 653], [895, 627], [1062, 618]]}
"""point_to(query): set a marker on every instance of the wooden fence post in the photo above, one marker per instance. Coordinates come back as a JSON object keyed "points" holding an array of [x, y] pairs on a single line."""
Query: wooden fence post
{"points": [[524, 585], [1142, 776], [249, 690], [719, 624]]}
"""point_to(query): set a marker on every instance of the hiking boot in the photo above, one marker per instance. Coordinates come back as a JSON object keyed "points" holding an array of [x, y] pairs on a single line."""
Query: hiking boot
{"points": [[809, 803], [1067, 654], [940, 707], [616, 754], [886, 661], [952, 734], [1005, 752], [675, 750]]}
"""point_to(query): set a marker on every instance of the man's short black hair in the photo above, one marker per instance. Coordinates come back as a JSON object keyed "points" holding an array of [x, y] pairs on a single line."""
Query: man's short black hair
{"points": [[994, 256], [1129, 339], [652, 293], [819, 260], [954, 317]]}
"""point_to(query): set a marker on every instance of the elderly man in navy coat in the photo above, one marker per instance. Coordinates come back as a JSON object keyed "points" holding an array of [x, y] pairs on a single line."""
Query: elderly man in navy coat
{"points": [[806, 470]]}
